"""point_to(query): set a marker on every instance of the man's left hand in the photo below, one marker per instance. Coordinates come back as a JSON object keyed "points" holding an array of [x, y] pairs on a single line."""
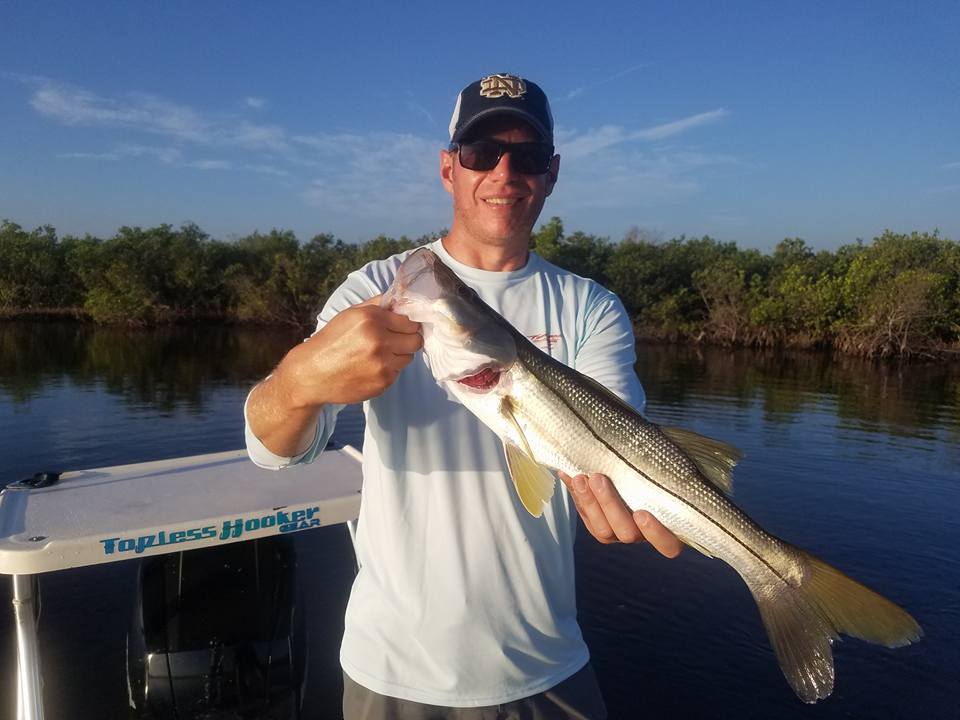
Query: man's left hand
{"points": [[609, 520]]}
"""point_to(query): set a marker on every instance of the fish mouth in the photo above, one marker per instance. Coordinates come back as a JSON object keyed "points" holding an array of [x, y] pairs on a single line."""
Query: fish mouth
{"points": [[486, 379]]}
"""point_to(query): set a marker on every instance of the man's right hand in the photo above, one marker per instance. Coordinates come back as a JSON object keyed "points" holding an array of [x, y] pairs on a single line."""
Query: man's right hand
{"points": [[354, 357]]}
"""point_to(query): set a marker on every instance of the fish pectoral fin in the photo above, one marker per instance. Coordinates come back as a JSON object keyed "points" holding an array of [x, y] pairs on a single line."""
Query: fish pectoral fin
{"points": [[534, 483], [714, 458]]}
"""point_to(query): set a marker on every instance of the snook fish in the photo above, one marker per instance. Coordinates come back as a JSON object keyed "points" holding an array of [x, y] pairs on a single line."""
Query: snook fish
{"points": [[550, 416]]}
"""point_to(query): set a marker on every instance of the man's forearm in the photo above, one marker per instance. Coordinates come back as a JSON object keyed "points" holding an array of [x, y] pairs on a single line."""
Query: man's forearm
{"points": [[354, 357], [284, 426]]}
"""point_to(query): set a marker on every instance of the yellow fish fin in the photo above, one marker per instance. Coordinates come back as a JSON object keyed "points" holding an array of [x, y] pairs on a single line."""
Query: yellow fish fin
{"points": [[696, 546], [534, 483]]}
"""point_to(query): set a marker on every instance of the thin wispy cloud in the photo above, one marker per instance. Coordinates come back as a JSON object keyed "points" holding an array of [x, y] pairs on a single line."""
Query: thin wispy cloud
{"points": [[211, 164], [255, 102], [89, 156], [419, 109], [165, 155], [330, 143], [694, 158], [145, 112], [626, 181], [380, 179], [944, 190], [385, 177], [575, 146], [659, 132], [267, 170], [577, 92], [76, 106], [952, 166], [619, 169], [173, 156], [253, 137], [725, 218]]}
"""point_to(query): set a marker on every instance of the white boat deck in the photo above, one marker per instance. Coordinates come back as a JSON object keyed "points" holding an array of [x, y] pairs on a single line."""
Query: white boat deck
{"points": [[130, 511]]}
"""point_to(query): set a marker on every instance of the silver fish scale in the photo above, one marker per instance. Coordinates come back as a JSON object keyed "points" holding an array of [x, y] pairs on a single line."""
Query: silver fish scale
{"points": [[643, 446]]}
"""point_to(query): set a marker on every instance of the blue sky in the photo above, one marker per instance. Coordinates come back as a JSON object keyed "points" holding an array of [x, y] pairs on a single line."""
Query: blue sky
{"points": [[749, 121]]}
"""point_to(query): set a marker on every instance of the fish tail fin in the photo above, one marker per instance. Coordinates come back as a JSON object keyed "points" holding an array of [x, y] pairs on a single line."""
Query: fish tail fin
{"points": [[802, 621]]}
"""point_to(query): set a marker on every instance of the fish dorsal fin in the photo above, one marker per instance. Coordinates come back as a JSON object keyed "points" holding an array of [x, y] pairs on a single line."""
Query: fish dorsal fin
{"points": [[534, 483], [714, 458]]}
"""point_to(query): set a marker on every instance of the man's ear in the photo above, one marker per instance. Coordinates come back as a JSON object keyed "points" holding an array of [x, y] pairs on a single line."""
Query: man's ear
{"points": [[446, 169], [553, 173]]}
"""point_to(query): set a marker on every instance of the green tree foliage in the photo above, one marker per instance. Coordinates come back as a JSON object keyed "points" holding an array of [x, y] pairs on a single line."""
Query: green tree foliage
{"points": [[277, 280], [656, 281], [897, 296], [158, 275], [900, 296], [586, 255], [546, 241], [725, 291], [141, 277], [265, 280], [799, 302], [33, 271]]}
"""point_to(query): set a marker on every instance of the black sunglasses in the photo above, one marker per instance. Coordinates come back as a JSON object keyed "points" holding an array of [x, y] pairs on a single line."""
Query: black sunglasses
{"points": [[529, 158]]}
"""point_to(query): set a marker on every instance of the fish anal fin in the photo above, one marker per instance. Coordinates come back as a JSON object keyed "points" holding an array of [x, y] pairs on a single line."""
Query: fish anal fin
{"points": [[695, 545], [534, 483], [714, 458]]}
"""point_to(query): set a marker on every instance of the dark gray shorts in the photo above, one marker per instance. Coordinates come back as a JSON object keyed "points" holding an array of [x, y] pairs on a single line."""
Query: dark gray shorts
{"points": [[576, 698]]}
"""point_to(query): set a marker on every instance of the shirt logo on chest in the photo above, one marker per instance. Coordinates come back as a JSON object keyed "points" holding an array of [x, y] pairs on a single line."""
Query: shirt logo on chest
{"points": [[546, 341]]}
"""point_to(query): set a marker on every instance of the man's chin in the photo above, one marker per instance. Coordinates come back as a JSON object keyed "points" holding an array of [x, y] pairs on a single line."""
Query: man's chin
{"points": [[508, 235]]}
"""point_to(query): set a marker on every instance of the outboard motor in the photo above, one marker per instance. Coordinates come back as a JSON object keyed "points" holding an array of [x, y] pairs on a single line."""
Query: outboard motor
{"points": [[217, 634]]}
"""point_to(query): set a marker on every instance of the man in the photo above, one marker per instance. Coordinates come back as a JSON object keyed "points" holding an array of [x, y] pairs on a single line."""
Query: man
{"points": [[464, 605]]}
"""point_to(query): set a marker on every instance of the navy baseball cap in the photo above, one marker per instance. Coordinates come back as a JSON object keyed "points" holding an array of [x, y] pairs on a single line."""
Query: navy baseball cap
{"points": [[501, 94]]}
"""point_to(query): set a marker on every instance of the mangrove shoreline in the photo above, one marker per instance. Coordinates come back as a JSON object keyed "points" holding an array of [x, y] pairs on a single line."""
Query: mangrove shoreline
{"points": [[896, 297]]}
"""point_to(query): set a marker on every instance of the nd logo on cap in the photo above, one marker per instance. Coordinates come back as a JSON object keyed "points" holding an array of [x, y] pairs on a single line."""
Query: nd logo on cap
{"points": [[495, 86]]}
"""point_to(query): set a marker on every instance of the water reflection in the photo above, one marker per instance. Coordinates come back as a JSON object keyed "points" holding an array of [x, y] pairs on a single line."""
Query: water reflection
{"points": [[907, 400], [165, 368], [173, 367]]}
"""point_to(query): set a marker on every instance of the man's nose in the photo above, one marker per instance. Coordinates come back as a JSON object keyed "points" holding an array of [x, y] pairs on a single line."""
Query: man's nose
{"points": [[505, 166]]}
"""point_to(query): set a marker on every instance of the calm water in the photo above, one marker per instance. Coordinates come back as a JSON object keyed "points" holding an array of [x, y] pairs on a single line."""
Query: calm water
{"points": [[855, 462]]}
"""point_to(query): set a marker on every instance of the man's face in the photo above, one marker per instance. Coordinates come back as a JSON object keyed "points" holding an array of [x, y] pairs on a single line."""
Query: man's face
{"points": [[500, 206]]}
